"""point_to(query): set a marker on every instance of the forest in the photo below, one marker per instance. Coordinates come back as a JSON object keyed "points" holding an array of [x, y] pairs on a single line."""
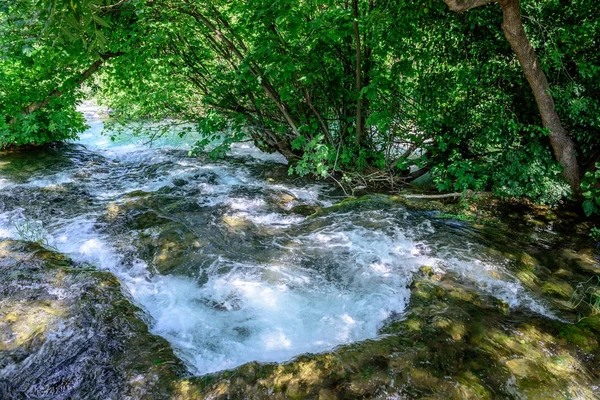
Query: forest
{"points": [[483, 95]]}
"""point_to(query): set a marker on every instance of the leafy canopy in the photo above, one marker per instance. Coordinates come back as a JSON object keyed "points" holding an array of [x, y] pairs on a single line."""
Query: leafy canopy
{"points": [[377, 91]]}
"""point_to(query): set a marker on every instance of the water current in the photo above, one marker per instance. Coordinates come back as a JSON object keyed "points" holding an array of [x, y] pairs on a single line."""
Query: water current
{"points": [[222, 256]]}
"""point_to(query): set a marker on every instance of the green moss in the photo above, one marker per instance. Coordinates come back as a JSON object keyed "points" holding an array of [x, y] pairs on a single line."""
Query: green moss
{"points": [[592, 322], [580, 337], [557, 288]]}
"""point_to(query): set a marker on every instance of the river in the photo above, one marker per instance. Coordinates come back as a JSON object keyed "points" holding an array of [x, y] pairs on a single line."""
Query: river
{"points": [[233, 261]]}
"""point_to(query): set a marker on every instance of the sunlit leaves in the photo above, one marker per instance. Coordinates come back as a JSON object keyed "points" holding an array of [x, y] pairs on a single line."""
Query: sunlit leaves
{"points": [[45, 48], [437, 89], [79, 21]]}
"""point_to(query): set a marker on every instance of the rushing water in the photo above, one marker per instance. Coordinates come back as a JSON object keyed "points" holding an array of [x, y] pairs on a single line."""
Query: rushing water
{"points": [[220, 255]]}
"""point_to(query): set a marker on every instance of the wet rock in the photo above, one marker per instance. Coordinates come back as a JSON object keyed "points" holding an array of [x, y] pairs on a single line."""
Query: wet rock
{"points": [[367, 202], [48, 201], [285, 198], [68, 331], [592, 322], [137, 193], [584, 262], [580, 335], [171, 248], [452, 343], [236, 223], [557, 288], [431, 272], [175, 235], [179, 182], [305, 209], [528, 262]]}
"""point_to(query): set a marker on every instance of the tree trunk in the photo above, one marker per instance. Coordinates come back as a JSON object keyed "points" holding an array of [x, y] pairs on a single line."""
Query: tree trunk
{"points": [[358, 72], [562, 145]]}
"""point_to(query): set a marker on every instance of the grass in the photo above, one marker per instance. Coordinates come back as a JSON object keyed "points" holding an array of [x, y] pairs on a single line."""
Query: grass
{"points": [[32, 231], [587, 292]]}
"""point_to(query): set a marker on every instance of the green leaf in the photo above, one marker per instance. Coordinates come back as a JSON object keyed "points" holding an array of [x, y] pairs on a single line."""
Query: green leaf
{"points": [[588, 207], [100, 21]]}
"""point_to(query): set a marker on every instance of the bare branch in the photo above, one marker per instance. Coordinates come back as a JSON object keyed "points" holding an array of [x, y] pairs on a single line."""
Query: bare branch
{"points": [[465, 5], [468, 193]]}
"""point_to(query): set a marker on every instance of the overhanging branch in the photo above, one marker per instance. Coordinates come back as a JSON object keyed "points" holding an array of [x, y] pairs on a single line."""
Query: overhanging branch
{"points": [[465, 5], [33, 107]]}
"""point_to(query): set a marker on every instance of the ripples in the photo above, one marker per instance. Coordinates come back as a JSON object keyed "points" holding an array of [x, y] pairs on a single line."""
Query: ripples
{"points": [[214, 253]]}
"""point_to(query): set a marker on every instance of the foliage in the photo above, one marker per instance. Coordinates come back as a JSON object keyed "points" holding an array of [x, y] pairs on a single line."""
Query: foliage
{"points": [[595, 233], [591, 191], [372, 92], [29, 65], [529, 172], [46, 47]]}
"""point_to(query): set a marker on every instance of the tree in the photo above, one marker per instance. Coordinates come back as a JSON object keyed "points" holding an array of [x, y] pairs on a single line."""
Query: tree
{"points": [[299, 77], [376, 92], [512, 25], [48, 49]]}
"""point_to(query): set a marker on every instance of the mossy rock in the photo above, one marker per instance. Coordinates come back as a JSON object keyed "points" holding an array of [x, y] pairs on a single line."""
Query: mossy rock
{"points": [[592, 323], [68, 331], [305, 209], [363, 203], [583, 262], [453, 343], [580, 336], [557, 288]]}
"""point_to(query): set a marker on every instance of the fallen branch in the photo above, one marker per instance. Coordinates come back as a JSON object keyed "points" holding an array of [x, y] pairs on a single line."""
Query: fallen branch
{"points": [[468, 193]]}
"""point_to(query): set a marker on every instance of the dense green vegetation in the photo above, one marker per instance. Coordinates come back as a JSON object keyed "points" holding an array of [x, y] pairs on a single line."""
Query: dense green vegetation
{"points": [[366, 92]]}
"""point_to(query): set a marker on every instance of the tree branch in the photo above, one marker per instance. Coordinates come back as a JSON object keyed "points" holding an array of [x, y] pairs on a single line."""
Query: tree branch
{"points": [[321, 122], [468, 193], [33, 107], [465, 5]]}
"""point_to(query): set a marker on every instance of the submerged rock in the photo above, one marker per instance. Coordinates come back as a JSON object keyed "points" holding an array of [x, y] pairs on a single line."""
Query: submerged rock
{"points": [[305, 209], [452, 343], [68, 331]]}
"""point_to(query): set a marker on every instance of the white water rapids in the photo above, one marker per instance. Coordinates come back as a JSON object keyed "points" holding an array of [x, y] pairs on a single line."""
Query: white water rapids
{"points": [[314, 284]]}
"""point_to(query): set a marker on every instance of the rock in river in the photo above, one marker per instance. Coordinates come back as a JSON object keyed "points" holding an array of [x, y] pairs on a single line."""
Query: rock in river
{"points": [[68, 331]]}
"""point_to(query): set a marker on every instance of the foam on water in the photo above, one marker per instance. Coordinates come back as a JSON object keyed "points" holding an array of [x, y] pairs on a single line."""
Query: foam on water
{"points": [[259, 312], [498, 282], [263, 312], [248, 150], [328, 281], [271, 219]]}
